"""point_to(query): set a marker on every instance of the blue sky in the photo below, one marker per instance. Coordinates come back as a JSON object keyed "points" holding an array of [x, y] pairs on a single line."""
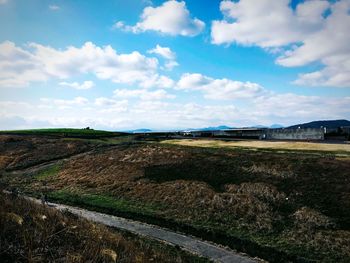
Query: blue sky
{"points": [[121, 65]]}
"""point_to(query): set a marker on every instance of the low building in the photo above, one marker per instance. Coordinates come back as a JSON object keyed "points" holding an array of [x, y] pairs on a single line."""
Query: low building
{"points": [[295, 134]]}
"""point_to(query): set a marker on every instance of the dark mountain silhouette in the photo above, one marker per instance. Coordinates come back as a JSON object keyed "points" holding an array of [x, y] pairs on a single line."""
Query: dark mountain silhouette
{"points": [[325, 123]]}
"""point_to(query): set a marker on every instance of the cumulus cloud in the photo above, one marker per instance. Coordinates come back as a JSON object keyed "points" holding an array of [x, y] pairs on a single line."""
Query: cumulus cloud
{"points": [[171, 18], [65, 104], [267, 23], [330, 46], [20, 66], [167, 54], [118, 25], [108, 105], [219, 89], [284, 108], [157, 81], [171, 64], [143, 94], [75, 85], [306, 34]]}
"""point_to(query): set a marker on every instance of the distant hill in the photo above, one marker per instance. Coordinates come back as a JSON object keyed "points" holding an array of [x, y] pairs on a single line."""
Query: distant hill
{"points": [[215, 128], [221, 127], [319, 124], [140, 130], [273, 126], [66, 132], [276, 126]]}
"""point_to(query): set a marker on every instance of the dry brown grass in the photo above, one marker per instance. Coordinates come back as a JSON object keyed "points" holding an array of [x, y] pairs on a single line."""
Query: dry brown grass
{"points": [[282, 145], [24, 151], [278, 200], [30, 232]]}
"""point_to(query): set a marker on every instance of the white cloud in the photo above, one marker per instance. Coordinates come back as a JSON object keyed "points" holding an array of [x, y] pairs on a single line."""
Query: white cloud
{"points": [[115, 114], [143, 94], [19, 67], [75, 85], [330, 46], [171, 64], [167, 54], [267, 23], [305, 34], [54, 7], [111, 105], [157, 81], [171, 18], [219, 89], [118, 25], [65, 104]]}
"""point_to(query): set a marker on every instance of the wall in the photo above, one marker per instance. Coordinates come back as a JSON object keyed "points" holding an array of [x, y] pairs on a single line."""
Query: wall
{"points": [[295, 134]]}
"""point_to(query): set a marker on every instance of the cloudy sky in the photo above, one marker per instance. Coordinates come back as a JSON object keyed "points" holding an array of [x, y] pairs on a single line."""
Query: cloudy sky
{"points": [[122, 65]]}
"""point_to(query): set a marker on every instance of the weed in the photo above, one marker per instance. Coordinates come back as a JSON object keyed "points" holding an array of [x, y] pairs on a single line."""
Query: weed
{"points": [[30, 232], [49, 172]]}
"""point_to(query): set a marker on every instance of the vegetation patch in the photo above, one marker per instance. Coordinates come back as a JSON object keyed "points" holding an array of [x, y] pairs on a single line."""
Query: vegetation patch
{"points": [[280, 206], [107, 203], [30, 232], [49, 172], [65, 132]]}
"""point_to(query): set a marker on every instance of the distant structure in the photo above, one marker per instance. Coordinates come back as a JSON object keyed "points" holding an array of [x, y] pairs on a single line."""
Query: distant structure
{"points": [[292, 133], [263, 134]]}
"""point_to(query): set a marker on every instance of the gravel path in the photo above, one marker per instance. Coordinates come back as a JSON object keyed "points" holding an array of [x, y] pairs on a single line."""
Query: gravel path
{"points": [[194, 245]]}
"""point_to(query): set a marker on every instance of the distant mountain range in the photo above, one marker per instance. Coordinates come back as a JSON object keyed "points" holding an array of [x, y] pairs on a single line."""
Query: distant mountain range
{"points": [[216, 128], [319, 124], [273, 126], [140, 130], [313, 124]]}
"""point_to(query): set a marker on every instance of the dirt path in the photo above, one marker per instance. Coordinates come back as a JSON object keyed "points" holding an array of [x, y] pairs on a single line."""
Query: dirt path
{"points": [[212, 251]]}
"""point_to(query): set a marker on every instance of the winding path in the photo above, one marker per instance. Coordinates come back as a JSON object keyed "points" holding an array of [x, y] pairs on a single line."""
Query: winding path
{"points": [[194, 245]]}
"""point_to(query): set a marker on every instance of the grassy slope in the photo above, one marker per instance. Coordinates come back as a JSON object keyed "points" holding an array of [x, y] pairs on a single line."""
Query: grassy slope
{"points": [[283, 201], [33, 233], [66, 132]]}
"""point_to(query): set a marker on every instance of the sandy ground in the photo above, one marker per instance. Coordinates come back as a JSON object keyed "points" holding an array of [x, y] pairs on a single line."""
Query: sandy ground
{"points": [[283, 145]]}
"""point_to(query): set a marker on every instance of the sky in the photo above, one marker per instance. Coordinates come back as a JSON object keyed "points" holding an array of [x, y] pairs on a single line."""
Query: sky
{"points": [[122, 65]]}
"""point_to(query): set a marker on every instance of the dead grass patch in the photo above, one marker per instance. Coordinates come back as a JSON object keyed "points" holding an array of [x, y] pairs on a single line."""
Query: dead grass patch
{"points": [[293, 145], [30, 232], [264, 196]]}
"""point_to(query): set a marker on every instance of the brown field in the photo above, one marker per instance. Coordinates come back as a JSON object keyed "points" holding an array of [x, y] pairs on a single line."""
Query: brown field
{"points": [[277, 145], [30, 232], [279, 206], [25, 151]]}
